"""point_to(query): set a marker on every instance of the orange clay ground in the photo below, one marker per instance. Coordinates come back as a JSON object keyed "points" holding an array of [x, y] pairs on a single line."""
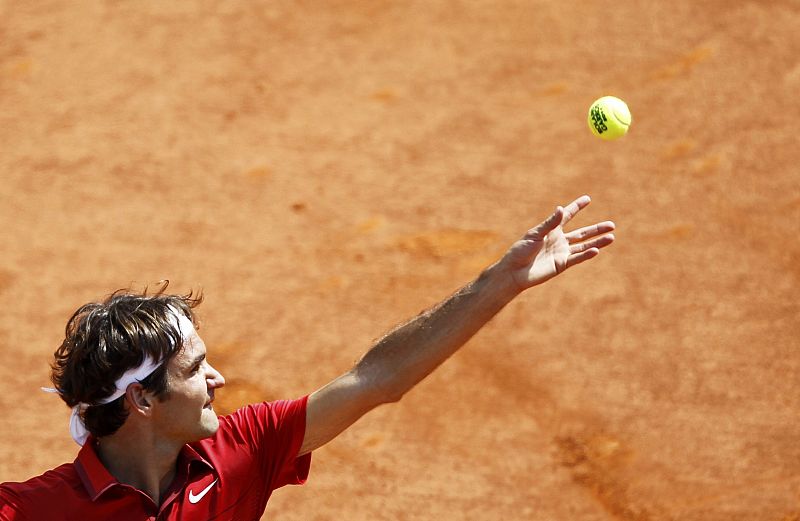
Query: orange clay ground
{"points": [[325, 170]]}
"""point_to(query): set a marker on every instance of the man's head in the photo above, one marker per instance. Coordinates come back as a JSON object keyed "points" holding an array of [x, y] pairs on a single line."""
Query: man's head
{"points": [[105, 340]]}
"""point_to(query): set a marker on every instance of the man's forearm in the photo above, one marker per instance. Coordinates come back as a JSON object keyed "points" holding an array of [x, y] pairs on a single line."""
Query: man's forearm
{"points": [[410, 352]]}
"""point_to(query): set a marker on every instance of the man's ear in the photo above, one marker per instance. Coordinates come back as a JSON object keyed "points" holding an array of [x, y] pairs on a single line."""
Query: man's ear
{"points": [[139, 400]]}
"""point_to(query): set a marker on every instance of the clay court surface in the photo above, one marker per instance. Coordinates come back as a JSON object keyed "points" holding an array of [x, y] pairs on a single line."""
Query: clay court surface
{"points": [[326, 170]]}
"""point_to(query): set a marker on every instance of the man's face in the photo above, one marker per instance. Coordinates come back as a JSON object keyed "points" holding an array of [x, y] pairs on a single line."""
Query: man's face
{"points": [[186, 415]]}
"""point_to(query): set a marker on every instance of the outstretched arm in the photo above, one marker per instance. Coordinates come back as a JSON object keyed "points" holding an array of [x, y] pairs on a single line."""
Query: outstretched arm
{"points": [[410, 352]]}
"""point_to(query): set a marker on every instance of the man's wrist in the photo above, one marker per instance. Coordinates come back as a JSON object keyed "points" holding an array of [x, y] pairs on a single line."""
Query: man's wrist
{"points": [[500, 282]]}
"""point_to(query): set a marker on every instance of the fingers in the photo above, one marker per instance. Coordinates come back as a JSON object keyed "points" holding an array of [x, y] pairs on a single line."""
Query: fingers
{"points": [[593, 244], [562, 215], [582, 257], [574, 207], [548, 225], [587, 250], [588, 232]]}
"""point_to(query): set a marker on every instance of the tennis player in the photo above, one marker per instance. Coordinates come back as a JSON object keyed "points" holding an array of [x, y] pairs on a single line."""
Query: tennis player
{"points": [[137, 377]]}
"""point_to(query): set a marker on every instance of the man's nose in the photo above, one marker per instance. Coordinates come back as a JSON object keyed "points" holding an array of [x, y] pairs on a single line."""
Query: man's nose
{"points": [[214, 378]]}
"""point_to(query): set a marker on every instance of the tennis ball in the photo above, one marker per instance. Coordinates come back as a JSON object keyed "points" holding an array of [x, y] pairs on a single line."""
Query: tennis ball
{"points": [[609, 118]]}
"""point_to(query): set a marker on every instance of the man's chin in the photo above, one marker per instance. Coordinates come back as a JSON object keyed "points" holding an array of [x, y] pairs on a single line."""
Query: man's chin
{"points": [[209, 424]]}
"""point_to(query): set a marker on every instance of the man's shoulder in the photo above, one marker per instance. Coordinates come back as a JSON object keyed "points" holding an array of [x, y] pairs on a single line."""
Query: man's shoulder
{"points": [[47, 490], [61, 477], [258, 443], [252, 426], [257, 416], [236, 429]]}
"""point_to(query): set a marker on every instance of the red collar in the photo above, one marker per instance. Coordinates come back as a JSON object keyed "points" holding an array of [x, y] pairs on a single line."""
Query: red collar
{"points": [[97, 479]]}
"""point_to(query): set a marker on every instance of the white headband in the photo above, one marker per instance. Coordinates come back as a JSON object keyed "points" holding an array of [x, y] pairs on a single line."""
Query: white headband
{"points": [[136, 374]]}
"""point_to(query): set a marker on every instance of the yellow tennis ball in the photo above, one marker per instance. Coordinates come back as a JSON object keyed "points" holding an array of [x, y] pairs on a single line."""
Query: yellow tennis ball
{"points": [[609, 118]]}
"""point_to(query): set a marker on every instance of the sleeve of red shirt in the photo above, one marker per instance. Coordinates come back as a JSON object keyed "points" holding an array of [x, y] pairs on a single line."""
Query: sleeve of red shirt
{"points": [[275, 432], [8, 508]]}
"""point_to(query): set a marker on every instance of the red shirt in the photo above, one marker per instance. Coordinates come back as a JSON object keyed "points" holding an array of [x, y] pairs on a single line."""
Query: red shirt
{"points": [[229, 476]]}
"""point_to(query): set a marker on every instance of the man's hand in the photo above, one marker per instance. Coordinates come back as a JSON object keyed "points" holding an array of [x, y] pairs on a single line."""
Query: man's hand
{"points": [[545, 251]]}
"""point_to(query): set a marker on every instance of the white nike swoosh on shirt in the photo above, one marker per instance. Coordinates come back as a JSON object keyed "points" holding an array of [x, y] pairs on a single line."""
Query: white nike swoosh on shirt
{"points": [[194, 499]]}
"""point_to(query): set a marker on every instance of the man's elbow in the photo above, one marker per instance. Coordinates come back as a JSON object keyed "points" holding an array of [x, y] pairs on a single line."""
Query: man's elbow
{"points": [[382, 389], [383, 392], [393, 395]]}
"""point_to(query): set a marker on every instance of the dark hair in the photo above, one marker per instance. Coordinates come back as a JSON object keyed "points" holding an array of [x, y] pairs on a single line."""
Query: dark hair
{"points": [[104, 339]]}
